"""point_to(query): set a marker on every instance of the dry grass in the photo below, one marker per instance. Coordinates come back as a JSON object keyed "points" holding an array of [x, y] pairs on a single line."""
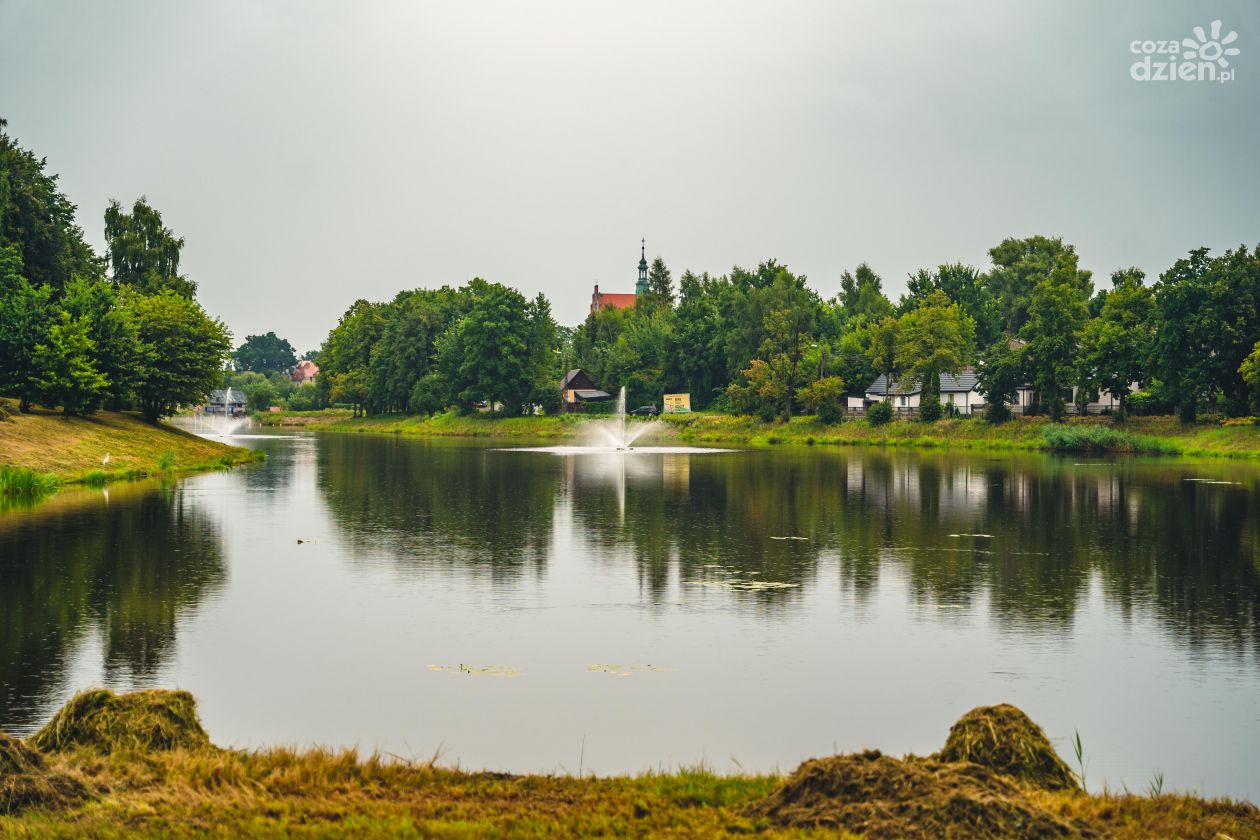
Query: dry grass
{"points": [[73, 448], [98, 719], [1006, 740], [188, 788]]}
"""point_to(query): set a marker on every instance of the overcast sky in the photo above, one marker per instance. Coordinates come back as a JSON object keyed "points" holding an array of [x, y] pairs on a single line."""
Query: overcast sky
{"points": [[315, 153]]}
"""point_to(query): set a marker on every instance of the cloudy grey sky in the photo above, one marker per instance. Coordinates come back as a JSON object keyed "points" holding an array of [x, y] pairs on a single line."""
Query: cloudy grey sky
{"points": [[314, 153]]}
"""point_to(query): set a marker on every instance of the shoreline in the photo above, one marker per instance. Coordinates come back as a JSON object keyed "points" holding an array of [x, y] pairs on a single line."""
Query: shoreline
{"points": [[141, 765], [1095, 435], [43, 451]]}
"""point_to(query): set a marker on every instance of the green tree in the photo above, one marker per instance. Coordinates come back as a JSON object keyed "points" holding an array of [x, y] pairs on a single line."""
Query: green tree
{"points": [[825, 398], [486, 354], [66, 375], [1249, 370], [115, 350], [790, 319], [999, 375], [143, 253], [963, 285], [934, 338], [861, 298], [346, 357], [1116, 346], [882, 351], [660, 283], [264, 354], [1018, 266], [37, 222], [1207, 316], [182, 351], [24, 322], [1057, 311]]}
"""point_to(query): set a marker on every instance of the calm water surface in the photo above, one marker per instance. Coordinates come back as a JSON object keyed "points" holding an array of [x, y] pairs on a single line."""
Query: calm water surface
{"points": [[747, 610]]}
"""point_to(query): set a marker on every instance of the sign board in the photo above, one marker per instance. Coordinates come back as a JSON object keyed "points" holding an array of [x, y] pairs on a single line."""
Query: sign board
{"points": [[677, 403]]}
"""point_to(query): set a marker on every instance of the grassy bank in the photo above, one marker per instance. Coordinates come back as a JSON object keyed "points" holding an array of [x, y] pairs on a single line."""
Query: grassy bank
{"points": [[140, 765], [1149, 435], [44, 449]]}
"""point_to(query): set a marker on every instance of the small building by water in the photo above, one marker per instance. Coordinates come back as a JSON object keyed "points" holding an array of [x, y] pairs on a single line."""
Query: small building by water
{"points": [[229, 401], [578, 388]]}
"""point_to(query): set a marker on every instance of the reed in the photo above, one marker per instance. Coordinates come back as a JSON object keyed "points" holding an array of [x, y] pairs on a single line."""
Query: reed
{"points": [[19, 483]]}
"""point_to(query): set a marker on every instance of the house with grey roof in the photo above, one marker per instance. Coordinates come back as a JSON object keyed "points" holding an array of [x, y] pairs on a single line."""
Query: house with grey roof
{"points": [[958, 391]]}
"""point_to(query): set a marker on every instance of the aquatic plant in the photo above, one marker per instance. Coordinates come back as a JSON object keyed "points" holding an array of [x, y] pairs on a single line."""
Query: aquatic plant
{"points": [[1095, 437], [166, 461], [21, 483]]}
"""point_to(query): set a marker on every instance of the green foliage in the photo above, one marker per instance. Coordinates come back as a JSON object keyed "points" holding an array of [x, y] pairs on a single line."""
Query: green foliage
{"points": [[879, 414], [144, 254], [264, 354], [1116, 345], [64, 371], [24, 324], [964, 286], [1206, 324], [935, 337], [861, 299], [999, 375], [1019, 265], [825, 398], [1249, 370], [23, 484], [660, 283], [182, 351], [1056, 316], [37, 222], [1094, 437]]}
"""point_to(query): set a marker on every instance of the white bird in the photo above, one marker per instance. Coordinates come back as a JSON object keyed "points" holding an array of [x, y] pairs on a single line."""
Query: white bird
{"points": [[105, 460]]}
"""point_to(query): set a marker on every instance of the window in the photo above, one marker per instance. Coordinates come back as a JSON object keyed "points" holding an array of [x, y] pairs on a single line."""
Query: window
{"points": [[903, 401]]}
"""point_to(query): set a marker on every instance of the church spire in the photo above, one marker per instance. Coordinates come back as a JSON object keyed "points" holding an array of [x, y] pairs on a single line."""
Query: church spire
{"points": [[641, 287]]}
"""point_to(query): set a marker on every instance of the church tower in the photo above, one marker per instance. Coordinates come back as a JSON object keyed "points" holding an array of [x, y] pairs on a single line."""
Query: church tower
{"points": [[641, 287]]}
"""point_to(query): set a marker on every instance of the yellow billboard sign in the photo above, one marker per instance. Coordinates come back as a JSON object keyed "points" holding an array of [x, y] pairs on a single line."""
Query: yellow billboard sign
{"points": [[677, 403]]}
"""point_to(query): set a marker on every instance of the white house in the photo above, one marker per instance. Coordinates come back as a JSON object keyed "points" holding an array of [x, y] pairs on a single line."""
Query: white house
{"points": [[958, 391], [962, 393]]}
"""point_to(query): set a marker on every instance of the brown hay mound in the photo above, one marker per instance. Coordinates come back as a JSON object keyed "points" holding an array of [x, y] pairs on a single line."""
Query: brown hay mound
{"points": [[882, 797], [1005, 739], [107, 722], [25, 782]]}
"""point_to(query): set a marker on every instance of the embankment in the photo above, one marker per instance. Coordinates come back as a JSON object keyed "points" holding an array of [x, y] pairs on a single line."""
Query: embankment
{"points": [[1139, 435], [141, 765], [66, 450]]}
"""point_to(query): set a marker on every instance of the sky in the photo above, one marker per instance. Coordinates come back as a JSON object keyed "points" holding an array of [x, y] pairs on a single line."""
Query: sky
{"points": [[314, 153]]}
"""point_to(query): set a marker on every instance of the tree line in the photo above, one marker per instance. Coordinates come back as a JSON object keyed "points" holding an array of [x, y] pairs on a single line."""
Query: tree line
{"points": [[79, 331], [762, 342]]}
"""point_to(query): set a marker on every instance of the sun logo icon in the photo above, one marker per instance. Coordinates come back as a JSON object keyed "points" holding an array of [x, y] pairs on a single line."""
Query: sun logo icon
{"points": [[1210, 49]]}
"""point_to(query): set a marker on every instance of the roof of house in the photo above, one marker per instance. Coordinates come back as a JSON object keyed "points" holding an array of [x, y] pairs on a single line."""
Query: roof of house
{"points": [[576, 378], [618, 300], [950, 384], [591, 395]]}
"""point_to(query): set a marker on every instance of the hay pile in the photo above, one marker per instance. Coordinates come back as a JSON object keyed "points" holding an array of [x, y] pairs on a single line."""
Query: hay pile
{"points": [[107, 722], [1006, 740], [878, 796], [26, 782]]}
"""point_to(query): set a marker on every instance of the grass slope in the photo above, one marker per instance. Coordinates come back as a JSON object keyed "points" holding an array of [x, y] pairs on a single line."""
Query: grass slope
{"points": [[1162, 435], [72, 448]]}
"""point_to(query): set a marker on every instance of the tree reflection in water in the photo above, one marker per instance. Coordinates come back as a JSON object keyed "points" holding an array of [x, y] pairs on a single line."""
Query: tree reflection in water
{"points": [[1050, 528], [129, 564]]}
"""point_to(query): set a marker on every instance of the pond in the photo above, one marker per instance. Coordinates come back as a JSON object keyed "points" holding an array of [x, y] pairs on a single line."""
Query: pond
{"points": [[528, 611]]}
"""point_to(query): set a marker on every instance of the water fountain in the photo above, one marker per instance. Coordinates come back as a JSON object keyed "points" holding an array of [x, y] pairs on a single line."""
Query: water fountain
{"points": [[616, 436]]}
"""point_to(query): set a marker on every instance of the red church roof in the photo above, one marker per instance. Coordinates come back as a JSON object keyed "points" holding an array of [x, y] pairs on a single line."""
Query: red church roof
{"points": [[617, 300]]}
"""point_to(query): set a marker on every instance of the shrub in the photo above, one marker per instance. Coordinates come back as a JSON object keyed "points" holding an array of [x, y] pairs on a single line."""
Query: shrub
{"points": [[825, 398], [1145, 404], [997, 412], [879, 414], [1239, 421], [930, 412]]}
